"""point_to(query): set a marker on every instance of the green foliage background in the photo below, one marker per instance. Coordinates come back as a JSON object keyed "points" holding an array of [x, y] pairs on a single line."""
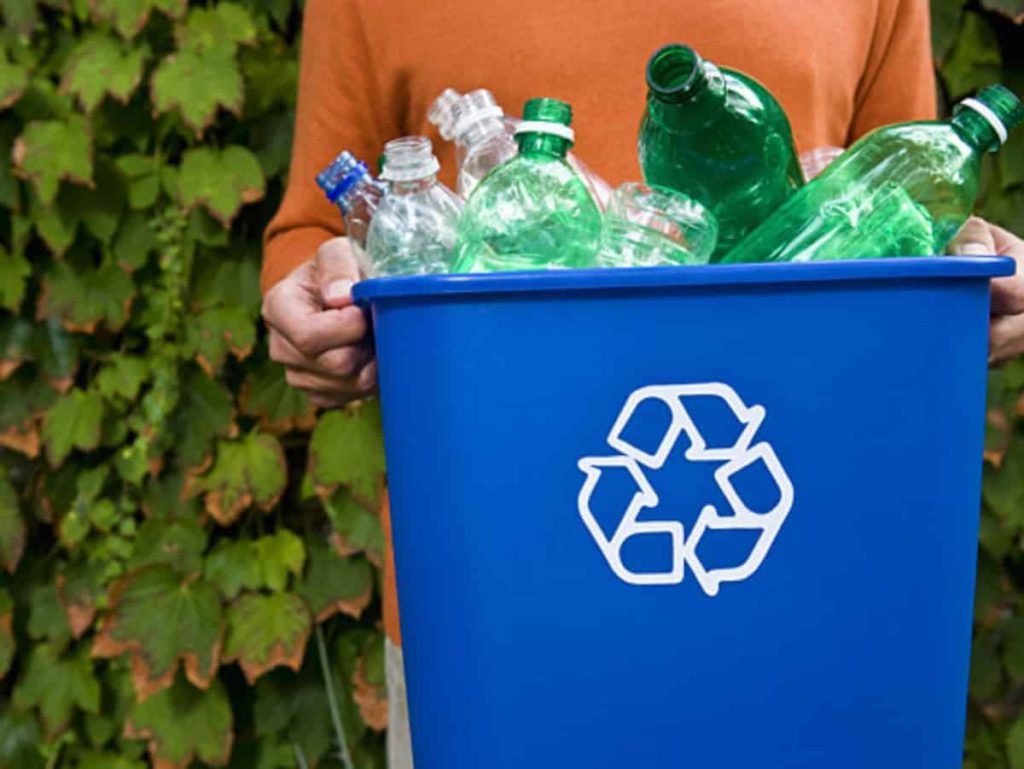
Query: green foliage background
{"points": [[190, 557]]}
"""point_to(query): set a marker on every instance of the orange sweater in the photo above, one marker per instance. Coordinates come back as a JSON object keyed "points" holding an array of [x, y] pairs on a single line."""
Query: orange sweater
{"points": [[371, 68]]}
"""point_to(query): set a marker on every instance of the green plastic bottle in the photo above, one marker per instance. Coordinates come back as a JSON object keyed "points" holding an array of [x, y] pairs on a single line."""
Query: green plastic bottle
{"points": [[718, 136], [902, 190], [533, 211]]}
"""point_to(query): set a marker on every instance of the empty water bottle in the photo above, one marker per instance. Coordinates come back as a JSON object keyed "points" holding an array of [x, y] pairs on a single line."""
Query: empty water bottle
{"points": [[485, 138], [414, 229], [655, 226], [902, 190], [348, 183], [719, 136]]}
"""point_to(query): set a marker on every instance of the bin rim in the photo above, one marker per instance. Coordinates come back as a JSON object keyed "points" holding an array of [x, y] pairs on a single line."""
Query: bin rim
{"points": [[543, 281]]}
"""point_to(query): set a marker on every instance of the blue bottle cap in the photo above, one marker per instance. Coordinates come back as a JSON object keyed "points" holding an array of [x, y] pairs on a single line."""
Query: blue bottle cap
{"points": [[344, 173]]}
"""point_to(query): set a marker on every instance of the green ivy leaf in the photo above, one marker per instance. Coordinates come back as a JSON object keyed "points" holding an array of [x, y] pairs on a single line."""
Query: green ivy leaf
{"points": [[55, 351], [99, 209], [54, 224], [79, 590], [182, 724], [46, 619], [14, 273], [12, 525], [233, 567], [279, 407], [128, 17], [13, 80], [122, 377], [220, 181], [226, 25], [356, 529], [212, 334], [188, 614], [143, 174], [296, 707], [205, 412], [177, 543], [246, 472], [197, 83], [99, 65], [162, 497], [57, 687], [975, 60], [347, 449], [134, 242], [280, 554], [74, 422], [267, 631], [51, 151], [336, 585], [220, 281], [8, 646], [83, 299]]}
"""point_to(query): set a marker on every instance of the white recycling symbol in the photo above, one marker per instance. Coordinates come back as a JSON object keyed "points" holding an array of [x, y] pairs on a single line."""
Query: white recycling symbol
{"points": [[733, 459]]}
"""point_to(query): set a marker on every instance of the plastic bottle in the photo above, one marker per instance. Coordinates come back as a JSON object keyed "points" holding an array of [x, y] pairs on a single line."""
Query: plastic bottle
{"points": [[655, 226], [902, 190], [718, 136], [348, 183], [533, 211], [485, 138], [414, 229]]}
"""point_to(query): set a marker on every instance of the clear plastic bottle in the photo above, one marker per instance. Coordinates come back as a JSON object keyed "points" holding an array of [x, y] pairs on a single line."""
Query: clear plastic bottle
{"points": [[655, 226], [902, 190], [719, 136], [348, 183], [533, 211], [485, 138], [414, 229]]}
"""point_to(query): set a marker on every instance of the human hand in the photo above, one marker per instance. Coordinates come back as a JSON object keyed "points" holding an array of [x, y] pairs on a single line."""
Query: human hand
{"points": [[317, 332], [1006, 330]]}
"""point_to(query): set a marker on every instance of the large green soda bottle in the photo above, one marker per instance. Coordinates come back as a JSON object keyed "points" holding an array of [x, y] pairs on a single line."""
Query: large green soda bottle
{"points": [[902, 190], [533, 211], [718, 136]]}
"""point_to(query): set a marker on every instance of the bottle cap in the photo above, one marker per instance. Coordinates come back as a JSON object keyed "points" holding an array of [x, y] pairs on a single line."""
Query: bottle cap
{"points": [[341, 176]]}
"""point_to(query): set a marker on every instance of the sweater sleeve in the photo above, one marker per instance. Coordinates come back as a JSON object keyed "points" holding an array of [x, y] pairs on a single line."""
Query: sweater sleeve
{"points": [[338, 108], [898, 82]]}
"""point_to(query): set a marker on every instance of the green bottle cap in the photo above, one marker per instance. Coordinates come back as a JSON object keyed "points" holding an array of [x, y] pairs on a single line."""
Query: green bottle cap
{"points": [[1001, 108], [675, 72]]}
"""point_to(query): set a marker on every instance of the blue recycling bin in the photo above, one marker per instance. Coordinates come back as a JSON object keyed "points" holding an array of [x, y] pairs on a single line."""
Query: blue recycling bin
{"points": [[719, 517]]}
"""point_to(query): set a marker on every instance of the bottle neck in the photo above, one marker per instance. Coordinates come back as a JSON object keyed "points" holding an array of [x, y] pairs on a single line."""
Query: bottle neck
{"points": [[480, 131], [976, 130], [704, 100], [367, 187], [541, 145], [412, 186]]}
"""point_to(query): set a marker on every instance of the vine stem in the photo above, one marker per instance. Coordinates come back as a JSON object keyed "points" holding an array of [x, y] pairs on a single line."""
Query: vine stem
{"points": [[332, 699], [300, 757]]}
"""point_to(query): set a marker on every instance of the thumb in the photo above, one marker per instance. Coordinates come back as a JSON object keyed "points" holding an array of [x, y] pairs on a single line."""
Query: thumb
{"points": [[335, 271], [974, 239]]}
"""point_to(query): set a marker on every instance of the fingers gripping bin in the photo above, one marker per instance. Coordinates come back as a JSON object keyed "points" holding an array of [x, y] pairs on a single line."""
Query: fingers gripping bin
{"points": [[720, 517]]}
